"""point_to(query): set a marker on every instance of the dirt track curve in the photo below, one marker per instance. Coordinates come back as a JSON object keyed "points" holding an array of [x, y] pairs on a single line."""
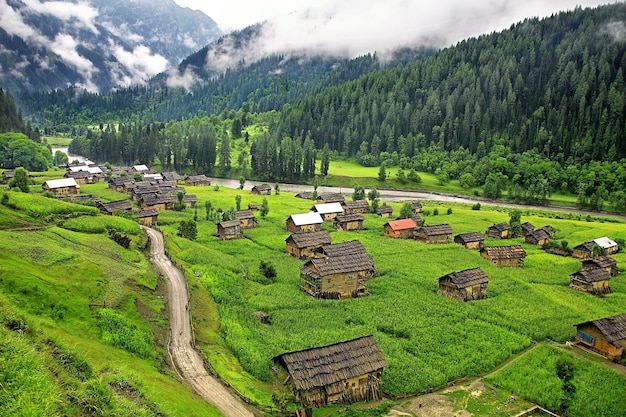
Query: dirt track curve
{"points": [[187, 361]]}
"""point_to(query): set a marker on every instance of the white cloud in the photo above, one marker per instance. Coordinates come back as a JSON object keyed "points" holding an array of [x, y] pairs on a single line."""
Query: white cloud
{"points": [[140, 64], [65, 47], [12, 22], [122, 31], [176, 79], [81, 11]]}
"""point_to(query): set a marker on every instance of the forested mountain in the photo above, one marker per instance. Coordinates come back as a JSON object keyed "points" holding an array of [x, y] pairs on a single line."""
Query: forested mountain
{"points": [[98, 44]]}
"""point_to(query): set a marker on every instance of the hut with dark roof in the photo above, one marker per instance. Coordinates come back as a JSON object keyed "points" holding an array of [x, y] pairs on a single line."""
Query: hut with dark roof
{"points": [[306, 195], [304, 245], [584, 250], [474, 240], [197, 180], [385, 211], [606, 336], [437, 233], [336, 277], [351, 247], [603, 262], [470, 284], [113, 206], [147, 217], [229, 229], [190, 200], [499, 231], [504, 256], [262, 189], [247, 218], [331, 198], [527, 228], [593, 281], [356, 206], [538, 237], [416, 206], [341, 373], [346, 222]]}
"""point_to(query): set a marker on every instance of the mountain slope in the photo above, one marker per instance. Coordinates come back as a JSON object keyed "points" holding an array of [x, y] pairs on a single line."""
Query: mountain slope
{"points": [[98, 44]]}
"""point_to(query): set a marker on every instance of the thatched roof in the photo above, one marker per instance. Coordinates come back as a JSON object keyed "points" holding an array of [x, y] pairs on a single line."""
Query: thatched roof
{"points": [[592, 275], [356, 205], [331, 198], [114, 206], [323, 366], [600, 262], [539, 234], [321, 267], [500, 227], [436, 230], [612, 328], [346, 218], [385, 209], [585, 246], [469, 237], [505, 252], [307, 195], [351, 247], [466, 278], [528, 227], [307, 240]]}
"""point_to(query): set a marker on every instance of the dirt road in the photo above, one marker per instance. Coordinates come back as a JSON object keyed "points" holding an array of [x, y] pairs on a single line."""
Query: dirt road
{"points": [[187, 361]]}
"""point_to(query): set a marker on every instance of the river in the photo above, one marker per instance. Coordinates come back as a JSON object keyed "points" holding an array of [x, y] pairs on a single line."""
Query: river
{"points": [[70, 156]]}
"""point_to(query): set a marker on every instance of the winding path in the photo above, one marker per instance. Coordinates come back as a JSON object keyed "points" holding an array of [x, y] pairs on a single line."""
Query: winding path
{"points": [[187, 361]]}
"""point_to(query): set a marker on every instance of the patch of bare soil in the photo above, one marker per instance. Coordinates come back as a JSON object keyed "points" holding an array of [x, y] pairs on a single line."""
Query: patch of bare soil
{"points": [[438, 405]]}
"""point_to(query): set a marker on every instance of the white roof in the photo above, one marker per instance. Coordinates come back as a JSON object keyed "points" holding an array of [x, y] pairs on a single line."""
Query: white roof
{"points": [[62, 183], [329, 208], [307, 218], [91, 170], [140, 168], [605, 242], [152, 176]]}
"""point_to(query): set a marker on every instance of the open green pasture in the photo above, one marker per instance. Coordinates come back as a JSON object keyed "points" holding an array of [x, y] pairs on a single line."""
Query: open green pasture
{"points": [[427, 339]]}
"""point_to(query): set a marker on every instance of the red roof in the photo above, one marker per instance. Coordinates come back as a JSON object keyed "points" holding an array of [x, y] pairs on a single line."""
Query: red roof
{"points": [[402, 224]]}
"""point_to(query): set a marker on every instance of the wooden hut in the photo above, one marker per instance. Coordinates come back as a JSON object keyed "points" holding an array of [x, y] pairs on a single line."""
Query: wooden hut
{"points": [[606, 336], [474, 240], [351, 247], [416, 206], [119, 184], [65, 186], [584, 250], [593, 281], [147, 217], [438, 233], [400, 229], [157, 200], [113, 206], [172, 176], [140, 168], [304, 245], [538, 237], [470, 284], [418, 220], [330, 198], [356, 207], [328, 211], [7, 176], [306, 195], [340, 373], [603, 262], [336, 277], [263, 189], [254, 207], [607, 245], [197, 180], [229, 229], [304, 222], [384, 211], [527, 228], [346, 222], [499, 231], [247, 218], [504, 256], [190, 200]]}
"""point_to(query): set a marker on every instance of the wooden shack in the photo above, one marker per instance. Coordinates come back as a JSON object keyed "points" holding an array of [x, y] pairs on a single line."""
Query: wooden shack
{"points": [[356, 207], [416, 206], [527, 228], [400, 229], [330, 198], [140, 168], [262, 189], [304, 222], [113, 206], [190, 200], [474, 240], [437, 233], [157, 200], [347, 222], [608, 246], [65, 186], [538, 237], [119, 184], [254, 207], [606, 336], [470, 284], [7, 176], [328, 211], [504, 256], [336, 277], [342, 373], [384, 211], [305, 245], [593, 281], [584, 250], [147, 217], [499, 231], [229, 229], [603, 262], [351, 247], [247, 218], [306, 195], [197, 180], [172, 176]]}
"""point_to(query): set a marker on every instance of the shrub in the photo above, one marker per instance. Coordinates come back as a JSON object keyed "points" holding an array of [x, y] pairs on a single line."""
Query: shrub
{"points": [[449, 212], [476, 206], [267, 269], [119, 332]]}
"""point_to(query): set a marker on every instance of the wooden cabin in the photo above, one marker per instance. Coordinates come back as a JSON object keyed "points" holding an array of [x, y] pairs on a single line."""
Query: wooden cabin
{"points": [[336, 277], [467, 285], [593, 281], [328, 211], [350, 247], [384, 211], [416, 206], [7, 176], [263, 189], [65, 186], [305, 222], [438, 233], [419, 222], [330, 198], [608, 245], [356, 207], [190, 200], [499, 231], [153, 177], [584, 250], [147, 217], [342, 373], [247, 218], [306, 195], [474, 240], [113, 206], [527, 228], [538, 237], [603, 262], [197, 180], [229, 229], [504, 256], [140, 168], [120, 184], [305, 245], [158, 201], [254, 207], [400, 229], [347, 222], [172, 176], [606, 336]]}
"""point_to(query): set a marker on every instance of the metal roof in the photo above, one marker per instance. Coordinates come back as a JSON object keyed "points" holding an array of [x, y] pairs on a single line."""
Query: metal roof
{"points": [[307, 218], [327, 208], [605, 242], [62, 183]]}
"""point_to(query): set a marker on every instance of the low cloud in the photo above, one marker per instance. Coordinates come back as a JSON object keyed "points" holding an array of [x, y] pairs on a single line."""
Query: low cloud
{"points": [[175, 79], [82, 12], [140, 64], [65, 47]]}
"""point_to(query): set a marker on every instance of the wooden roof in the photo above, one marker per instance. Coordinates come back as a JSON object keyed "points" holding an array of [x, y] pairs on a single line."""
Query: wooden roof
{"points": [[612, 328], [402, 224], [321, 267], [505, 252], [592, 275], [601, 262], [262, 187], [245, 214], [114, 206], [121, 180], [466, 278], [226, 224], [437, 230], [540, 234], [171, 176], [323, 366], [416, 204], [157, 198], [345, 218], [190, 198], [307, 240], [331, 198], [198, 178], [500, 227], [385, 209], [586, 246], [470, 237], [148, 212], [350, 247], [356, 204], [529, 227], [307, 195]]}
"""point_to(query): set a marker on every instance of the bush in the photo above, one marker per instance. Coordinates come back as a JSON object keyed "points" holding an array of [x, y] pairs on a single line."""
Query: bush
{"points": [[267, 269], [449, 212], [476, 206]]}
